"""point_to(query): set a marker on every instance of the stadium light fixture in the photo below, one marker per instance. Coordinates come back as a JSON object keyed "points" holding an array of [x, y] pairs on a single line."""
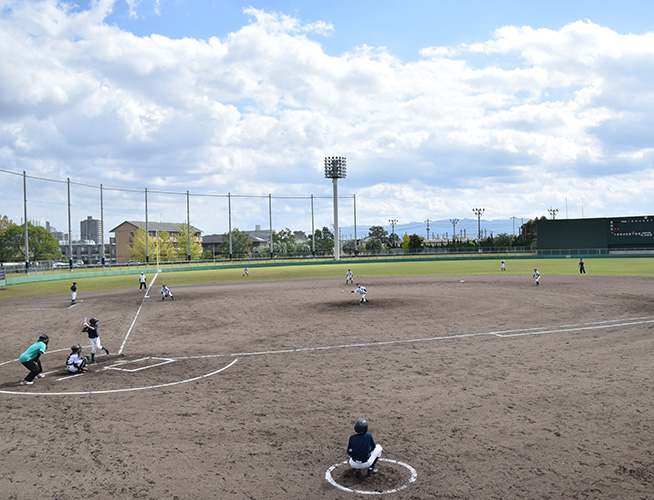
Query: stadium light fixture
{"points": [[335, 168]]}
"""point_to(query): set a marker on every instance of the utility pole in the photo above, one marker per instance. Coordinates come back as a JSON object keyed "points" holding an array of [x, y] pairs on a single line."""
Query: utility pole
{"points": [[392, 222], [454, 223], [428, 221], [478, 212]]}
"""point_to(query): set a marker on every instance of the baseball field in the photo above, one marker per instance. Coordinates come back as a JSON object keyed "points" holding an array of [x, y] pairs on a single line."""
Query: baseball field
{"points": [[477, 383]]}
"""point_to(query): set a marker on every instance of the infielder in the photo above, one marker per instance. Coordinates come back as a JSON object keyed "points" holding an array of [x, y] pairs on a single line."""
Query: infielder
{"points": [[73, 293], [31, 359], [245, 272], [91, 328], [165, 292], [360, 289], [536, 276], [143, 282], [349, 277], [75, 363], [362, 449], [502, 262]]}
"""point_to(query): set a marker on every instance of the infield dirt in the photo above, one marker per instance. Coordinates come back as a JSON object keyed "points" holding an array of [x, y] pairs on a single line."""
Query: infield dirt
{"points": [[491, 388]]}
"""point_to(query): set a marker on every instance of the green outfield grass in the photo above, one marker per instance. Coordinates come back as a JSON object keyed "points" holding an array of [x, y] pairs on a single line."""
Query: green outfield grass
{"points": [[637, 266]]}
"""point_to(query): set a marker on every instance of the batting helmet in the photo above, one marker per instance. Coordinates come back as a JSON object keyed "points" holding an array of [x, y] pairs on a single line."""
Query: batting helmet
{"points": [[361, 426], [76, 348], [44, 338], [93, 321]]}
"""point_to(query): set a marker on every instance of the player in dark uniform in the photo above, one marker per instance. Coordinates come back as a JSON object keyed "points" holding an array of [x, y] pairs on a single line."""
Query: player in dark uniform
{"points": [[91, 328], [362, 449]]}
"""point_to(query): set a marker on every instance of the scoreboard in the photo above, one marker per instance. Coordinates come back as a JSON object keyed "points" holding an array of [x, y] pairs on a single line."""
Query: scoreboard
{"points": [[631, 230]]}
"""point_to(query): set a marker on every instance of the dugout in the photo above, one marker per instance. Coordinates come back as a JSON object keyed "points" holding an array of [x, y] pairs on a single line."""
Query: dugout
{"points": [[601, 235]]}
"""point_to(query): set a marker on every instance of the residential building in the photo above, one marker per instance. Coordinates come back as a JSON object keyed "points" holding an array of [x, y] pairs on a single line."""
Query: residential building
{"points": [[124, 231]]}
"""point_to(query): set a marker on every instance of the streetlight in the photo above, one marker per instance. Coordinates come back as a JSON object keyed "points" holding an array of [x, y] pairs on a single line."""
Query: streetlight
{"points": [[454, 223], [392, 222], [478, 212], [335, 168], [553, 212]]}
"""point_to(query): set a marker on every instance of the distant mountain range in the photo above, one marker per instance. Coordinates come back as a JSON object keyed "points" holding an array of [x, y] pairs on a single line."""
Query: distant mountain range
{"points": [[443, 228]]}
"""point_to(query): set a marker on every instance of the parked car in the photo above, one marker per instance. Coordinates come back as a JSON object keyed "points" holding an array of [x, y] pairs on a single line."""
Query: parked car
{"points": [[59, 264]]}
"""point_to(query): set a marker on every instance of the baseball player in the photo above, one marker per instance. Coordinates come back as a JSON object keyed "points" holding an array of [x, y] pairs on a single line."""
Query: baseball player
{"points": [[91, 328], [142, 281], [245, 272], [349, 277], [75, 363], [502, 262], [165, 292], [73, 293], [536, 276], [582, 266], [360, 289], [362, 449], [31, 359]]}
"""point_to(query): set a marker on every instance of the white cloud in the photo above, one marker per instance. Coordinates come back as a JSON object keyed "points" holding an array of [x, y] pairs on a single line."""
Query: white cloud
{"points": [[529, 118]]}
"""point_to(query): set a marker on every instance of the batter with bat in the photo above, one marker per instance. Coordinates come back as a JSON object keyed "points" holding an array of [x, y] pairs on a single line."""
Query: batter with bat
{"points": [[91, 328]]}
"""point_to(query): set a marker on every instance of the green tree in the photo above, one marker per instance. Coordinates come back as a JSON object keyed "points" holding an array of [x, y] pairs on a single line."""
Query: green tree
{"points": [[380, 233], [284, 241], [349, 246], [324, 240], [164, 247], [240, 243], [181, 244], [416, 242], [7, 252], [42, 244], [137, 249], [405, 242], [373, 245]]}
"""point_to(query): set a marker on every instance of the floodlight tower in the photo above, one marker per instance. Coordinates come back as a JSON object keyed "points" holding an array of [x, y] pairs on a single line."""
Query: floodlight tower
{"points": [[553, 212], [478, 212], [335, 168]]}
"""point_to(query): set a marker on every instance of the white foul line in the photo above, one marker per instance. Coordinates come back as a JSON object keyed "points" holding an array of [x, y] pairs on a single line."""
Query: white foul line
{"points": [[109, 391], [122, 346]]}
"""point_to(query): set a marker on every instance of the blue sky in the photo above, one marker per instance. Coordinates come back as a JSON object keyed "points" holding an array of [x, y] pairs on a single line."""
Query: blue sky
{"points": [[439, 107]]}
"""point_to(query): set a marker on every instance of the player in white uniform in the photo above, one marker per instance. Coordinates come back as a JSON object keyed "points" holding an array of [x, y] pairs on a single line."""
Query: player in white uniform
{"points": [[75, 362], [349, 277], [142, 282], [165, 292], [502, 265], [536, 276], [360, 289]]}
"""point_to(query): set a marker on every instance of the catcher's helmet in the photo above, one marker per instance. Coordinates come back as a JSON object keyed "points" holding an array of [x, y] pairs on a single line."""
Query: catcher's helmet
{"points": [[361, 426], [44, 338], [93, 321], [76, 348]]}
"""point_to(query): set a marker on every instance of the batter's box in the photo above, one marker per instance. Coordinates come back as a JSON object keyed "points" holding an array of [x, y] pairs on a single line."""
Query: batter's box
{"points": [[140, 364]]}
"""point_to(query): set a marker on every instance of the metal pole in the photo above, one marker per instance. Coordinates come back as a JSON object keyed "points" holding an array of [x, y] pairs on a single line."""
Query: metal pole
{"points": [[70, 231], [229, 210], [188, 225], [271, 226], [356, 246], [478, 212], [25, 232], [336, 236], [313, 230], [147, 236], [102, 227]]}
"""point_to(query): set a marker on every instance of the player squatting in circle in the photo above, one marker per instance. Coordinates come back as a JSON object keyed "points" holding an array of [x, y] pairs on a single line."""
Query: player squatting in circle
{"points": [[362, 449], [361, 290], [91, 328], [76, 363]]}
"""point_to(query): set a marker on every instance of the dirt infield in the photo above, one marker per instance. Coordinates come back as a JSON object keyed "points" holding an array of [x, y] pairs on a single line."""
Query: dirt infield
{"points": [[488, 387]]}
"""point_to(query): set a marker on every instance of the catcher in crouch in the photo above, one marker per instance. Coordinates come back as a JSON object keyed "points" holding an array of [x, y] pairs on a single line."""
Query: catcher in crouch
{"points": [[76, 363]]}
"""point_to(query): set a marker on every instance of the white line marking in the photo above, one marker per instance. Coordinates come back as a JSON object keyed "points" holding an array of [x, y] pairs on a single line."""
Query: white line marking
{"points": [[330, 479], [111, 391], [116, 366], [122, 346], [68, 377]]}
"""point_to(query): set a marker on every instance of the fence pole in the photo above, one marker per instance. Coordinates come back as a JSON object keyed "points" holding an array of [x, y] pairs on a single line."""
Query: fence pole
{"points": [[25, 233]]}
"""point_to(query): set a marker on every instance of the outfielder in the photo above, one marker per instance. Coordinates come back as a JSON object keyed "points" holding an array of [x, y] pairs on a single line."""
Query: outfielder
{"points": [[536, 276], [75, 363], [165, 292], [349, 277], [31, 359], [362, 449], [91, 328], [360, 289]]}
